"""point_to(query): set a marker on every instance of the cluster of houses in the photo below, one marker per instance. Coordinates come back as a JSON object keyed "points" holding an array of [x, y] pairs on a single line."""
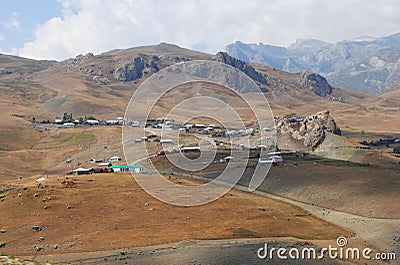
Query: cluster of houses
{"points": [[199, 128], [166, 123], [107, 167], [62, 124], [271, 159]]}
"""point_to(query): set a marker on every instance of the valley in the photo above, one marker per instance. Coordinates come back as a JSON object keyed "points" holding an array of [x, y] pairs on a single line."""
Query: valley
{"points": [[328, 185]]}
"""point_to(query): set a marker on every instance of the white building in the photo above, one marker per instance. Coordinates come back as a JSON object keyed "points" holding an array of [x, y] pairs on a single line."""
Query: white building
{"points": [[67, 125], [82, 171], [190, 149], [115, 159], [200, 126], [93, 122], [112, 122], [120, 120]]}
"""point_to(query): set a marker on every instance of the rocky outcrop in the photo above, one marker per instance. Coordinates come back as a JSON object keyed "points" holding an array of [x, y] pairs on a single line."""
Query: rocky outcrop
{"points": [[154, 63], [249, 70], [101, 80], [174, 58], [315, 83], [80, 60], [136, 68], [328, 123], [310, 130], [131, 71]]}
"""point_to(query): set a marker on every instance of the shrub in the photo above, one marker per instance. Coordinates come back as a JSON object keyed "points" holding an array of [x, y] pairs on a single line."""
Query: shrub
{"points": [[396, 149]]}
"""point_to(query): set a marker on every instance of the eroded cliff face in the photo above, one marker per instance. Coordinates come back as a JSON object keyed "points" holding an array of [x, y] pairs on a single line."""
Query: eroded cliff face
{"points": [[136, 69], [249, 70]]}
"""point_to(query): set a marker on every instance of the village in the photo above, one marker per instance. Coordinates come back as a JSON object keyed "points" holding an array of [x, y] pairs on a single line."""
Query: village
{"points": [[164, 145], [164, 136]]}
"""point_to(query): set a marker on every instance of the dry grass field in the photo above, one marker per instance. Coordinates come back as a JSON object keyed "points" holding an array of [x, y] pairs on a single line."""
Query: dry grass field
{"points": [[110, 211], [323, 182]]}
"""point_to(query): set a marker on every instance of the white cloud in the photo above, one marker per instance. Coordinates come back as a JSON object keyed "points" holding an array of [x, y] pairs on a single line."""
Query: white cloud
{"points": [[12, 23], [91, 25], [1, 37]]}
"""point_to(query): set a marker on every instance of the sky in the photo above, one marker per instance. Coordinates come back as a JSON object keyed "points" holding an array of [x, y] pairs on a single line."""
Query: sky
{"points": [[61, 29]]}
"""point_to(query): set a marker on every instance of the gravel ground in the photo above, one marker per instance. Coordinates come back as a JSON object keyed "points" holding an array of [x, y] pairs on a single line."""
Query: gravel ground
{"points": [[9, 260], [194, 252]]}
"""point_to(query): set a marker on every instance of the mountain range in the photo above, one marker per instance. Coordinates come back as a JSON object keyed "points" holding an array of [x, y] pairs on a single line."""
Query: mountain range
{"points": [[364, 64], [102, 84]]}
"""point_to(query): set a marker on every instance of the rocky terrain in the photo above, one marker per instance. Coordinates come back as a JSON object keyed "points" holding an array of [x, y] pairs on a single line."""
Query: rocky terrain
{"points": [[310, 130], [124, 65], [369, 65], [10, 260]]}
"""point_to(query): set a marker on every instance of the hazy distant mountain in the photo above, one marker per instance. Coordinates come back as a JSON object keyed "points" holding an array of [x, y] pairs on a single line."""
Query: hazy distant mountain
{"points": [[365, 64]]}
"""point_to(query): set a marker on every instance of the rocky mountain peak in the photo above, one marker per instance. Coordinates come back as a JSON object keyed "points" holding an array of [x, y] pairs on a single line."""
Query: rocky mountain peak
{"points": [[249, 70]]}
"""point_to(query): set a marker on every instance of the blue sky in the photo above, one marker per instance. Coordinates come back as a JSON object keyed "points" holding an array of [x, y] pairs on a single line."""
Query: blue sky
{"points": [[60, 29], [19, 19]]}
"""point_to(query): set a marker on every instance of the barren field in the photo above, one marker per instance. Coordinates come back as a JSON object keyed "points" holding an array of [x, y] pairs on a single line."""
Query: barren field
{"points": [[110, 211], [355, 188]]}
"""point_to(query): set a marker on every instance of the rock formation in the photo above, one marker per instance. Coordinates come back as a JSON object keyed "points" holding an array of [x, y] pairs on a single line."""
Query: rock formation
{"points": [[136, 68], [80, 59], [131, 71], [316, 83], [249, 70], [310, 130]]}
